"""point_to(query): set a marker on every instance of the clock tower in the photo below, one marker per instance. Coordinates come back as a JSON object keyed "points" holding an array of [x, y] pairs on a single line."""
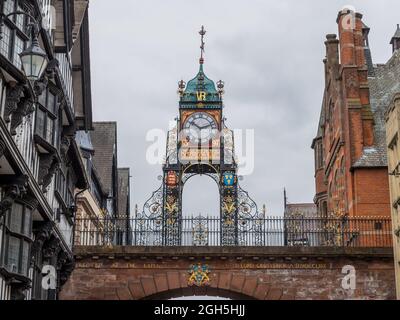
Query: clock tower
{"points": [[200, 144]]}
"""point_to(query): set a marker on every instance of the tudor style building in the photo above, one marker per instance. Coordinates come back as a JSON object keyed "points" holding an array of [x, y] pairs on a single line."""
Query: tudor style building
{"points": [[350, 155], [40, 163], [106, 201]]}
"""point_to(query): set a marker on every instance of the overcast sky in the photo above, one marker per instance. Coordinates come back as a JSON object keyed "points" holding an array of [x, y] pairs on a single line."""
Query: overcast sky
{"points": [[269, 53]]}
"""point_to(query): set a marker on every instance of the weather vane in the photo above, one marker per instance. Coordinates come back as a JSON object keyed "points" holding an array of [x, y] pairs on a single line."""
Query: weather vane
{"points": [[202, 32]]}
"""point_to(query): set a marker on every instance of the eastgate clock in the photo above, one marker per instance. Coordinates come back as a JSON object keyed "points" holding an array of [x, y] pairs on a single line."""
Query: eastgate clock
{"points": [[200, 127]]}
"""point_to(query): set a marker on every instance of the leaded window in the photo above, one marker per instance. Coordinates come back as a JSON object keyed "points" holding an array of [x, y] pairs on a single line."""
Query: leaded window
{"points": [[63, 189], [46, 118], [14, 32], [18, 239]]}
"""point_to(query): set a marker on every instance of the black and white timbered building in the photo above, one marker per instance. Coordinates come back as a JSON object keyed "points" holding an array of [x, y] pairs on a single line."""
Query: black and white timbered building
{"points": [[40, 166]]}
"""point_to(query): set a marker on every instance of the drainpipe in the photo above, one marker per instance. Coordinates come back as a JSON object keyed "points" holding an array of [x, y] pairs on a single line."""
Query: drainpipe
{"points": [[75, 211]]}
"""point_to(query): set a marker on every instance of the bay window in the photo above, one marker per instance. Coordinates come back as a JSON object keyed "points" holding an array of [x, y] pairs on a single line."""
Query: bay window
{"points": [[17, 239]]}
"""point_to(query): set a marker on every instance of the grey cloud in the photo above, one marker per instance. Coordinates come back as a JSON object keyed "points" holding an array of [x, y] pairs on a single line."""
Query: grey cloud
{"points": [[268, 53]]}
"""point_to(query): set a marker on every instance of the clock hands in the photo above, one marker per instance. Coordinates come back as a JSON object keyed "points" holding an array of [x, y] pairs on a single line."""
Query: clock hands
{"points": [[205, 126], [201, 128]]}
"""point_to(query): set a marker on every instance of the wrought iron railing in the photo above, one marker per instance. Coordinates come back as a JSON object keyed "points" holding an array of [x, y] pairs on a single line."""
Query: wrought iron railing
{"points": [[206, 231]]}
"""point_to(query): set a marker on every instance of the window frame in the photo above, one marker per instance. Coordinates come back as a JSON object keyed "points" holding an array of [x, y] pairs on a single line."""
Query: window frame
{"points": [[49, 115], [12, 24], [22, 236]]}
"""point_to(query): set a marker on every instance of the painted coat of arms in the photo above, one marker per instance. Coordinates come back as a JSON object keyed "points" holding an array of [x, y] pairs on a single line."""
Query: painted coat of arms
{"points": [[229, 179], [199, 275]]}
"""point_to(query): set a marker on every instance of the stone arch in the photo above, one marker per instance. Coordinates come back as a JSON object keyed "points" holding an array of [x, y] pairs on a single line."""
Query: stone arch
{"points": [[171, 284], [198, 291], [262, 273]]}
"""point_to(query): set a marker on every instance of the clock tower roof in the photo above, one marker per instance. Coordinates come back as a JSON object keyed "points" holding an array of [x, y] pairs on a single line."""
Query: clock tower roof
{"points": [[201, 83], [200, 90]]}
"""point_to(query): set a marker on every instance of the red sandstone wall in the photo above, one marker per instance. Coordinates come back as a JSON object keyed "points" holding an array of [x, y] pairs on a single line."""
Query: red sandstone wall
{"points": [[120, 279], [372, 192]]}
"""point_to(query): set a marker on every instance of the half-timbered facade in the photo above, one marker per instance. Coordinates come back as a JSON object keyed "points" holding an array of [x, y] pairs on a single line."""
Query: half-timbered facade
{"points": [[40, 164]]}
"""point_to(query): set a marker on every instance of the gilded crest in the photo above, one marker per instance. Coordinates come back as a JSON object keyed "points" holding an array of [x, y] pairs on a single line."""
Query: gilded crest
{"points": [[199, 275]]}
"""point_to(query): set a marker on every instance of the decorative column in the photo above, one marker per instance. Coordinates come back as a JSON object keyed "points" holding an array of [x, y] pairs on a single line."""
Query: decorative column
{"points": [[171, 208], [229, 207]]}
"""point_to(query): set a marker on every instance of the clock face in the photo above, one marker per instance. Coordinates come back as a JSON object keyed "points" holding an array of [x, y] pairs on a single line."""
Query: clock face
{"points": [[200, 127]]}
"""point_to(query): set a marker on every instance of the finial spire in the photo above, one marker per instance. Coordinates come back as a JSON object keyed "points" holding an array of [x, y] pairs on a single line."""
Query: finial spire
{"points": [[395, 41], [202, 32]]}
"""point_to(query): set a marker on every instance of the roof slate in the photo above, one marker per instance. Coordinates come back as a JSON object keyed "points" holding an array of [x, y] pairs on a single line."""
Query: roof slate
{"points": [[104, 141], [383, 87]]}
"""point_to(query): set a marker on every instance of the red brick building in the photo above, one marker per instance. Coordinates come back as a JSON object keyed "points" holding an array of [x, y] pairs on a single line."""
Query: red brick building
{"points": [[351, 172]]}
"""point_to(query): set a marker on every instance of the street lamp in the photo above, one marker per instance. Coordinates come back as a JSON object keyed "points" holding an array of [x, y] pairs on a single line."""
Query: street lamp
{"points": [[34, 59]]}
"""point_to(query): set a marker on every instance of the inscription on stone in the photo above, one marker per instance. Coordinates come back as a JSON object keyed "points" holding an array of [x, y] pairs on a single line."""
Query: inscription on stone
{"points": [[281, 266]]}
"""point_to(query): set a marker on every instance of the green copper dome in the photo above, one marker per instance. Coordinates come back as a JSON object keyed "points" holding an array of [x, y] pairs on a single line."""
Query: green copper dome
{"points": [[199, 87]]}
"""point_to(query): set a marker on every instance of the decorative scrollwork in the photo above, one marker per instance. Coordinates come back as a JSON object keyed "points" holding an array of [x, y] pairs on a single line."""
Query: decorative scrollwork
{"points": [[187, 176], [152, 208], [172, 147], [250, 220], [200, 231], [247, 206], [149, 223]]}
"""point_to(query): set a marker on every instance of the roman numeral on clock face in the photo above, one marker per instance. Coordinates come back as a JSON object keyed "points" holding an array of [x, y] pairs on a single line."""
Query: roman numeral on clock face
{"points": [[200, 127]]}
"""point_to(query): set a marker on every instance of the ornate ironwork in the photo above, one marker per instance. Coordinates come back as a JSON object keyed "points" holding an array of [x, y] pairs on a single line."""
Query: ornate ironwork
{"points": [[171, 223], [149, 222], [200, 231], [172, 147], [250, 220], [152, 208], [187, 176], [271, 231]]}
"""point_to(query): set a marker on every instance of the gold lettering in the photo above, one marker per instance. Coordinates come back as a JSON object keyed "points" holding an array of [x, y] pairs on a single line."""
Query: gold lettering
{"points": [[281, 266], [201, 96]]}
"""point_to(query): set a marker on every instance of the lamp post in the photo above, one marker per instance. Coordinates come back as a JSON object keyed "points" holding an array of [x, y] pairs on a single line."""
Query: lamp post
{"points": [[34, 59]]}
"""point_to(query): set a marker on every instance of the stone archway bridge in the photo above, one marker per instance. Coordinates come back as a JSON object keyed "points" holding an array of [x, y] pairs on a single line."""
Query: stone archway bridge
{"points": [[270, 273]]}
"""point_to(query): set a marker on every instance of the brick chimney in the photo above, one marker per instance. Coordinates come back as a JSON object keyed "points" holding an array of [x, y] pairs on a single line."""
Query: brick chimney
{"points": [[346, 23], [354, 72], [332, 54], [359, 41], [332, 50]]}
